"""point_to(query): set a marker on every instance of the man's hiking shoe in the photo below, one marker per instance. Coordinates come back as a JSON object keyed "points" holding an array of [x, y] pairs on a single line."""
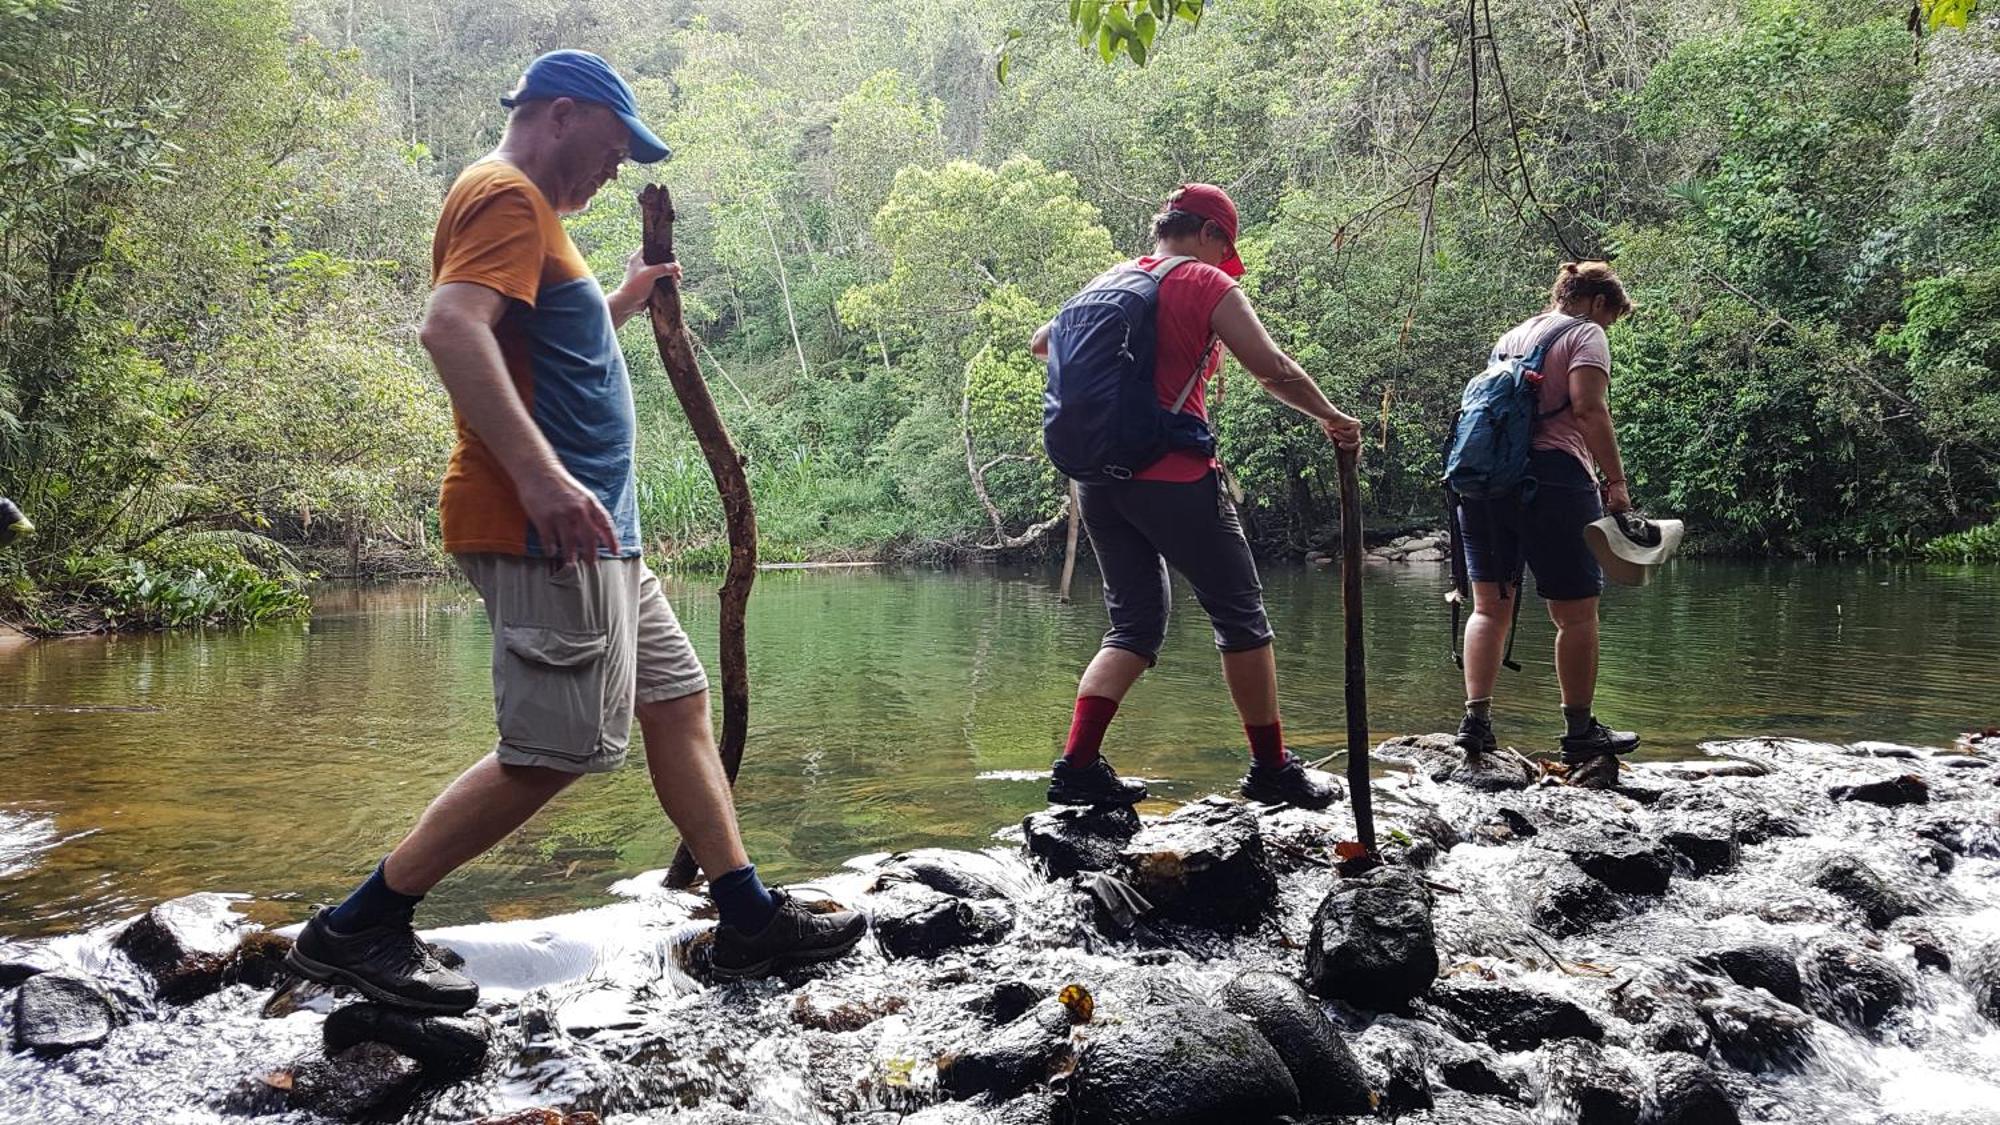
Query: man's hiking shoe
{"points": [[1599, 739], [1094, 784], [1291, 784], [796, 936], [386, 963], [1599, 772], [1475, 735]]}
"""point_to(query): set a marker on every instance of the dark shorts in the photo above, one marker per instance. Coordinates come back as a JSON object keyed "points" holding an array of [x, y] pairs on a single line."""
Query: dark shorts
{"points": [[1546, 533], [1139, 528]]}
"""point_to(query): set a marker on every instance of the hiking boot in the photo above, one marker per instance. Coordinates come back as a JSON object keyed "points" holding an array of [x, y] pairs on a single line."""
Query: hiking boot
{"points": [[795, 936], [387, 963], [1291, 784], [1599, 739], [1475, 735], [1094, 784], [1597, 772]]}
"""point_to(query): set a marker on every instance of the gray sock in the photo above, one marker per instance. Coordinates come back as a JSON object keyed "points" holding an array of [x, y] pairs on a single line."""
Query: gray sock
{"points": [[1481, 709], [1579, 720]]}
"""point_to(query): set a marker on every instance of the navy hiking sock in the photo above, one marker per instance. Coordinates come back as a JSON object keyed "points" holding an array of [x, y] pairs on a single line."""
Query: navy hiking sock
{"points": [[371, 904], [742, 901]]}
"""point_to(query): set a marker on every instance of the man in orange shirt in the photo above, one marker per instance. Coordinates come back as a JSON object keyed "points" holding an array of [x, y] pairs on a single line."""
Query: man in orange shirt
{"points": [[538, 508]]}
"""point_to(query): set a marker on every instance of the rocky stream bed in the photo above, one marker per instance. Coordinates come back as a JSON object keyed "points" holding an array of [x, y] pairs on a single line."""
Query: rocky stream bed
{"points": [[1784, 931]]}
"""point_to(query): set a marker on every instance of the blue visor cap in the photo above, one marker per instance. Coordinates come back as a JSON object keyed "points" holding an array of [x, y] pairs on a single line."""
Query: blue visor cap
{"points": [[588, 78]]}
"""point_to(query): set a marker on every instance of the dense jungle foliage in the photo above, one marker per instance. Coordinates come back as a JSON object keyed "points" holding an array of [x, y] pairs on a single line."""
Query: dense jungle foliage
{"points": [[214, 224]]}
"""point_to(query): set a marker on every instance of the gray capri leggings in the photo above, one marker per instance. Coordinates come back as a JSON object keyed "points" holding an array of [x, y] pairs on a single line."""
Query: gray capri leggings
{"points": [[1139, 528]]}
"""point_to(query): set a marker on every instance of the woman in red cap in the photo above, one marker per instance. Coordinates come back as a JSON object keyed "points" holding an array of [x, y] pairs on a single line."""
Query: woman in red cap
{"points": [[1176, 513]]}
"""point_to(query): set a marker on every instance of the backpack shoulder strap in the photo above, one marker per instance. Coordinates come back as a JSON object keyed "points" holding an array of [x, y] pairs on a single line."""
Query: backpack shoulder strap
{"points": [[1165, 266]]}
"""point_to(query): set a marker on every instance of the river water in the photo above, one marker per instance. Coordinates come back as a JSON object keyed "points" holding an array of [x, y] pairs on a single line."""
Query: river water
{"points": [[891, 709]]}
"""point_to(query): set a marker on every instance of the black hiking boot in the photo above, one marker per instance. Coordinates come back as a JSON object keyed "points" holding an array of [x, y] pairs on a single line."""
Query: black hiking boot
{"points": [[796, 936], [1597, 772], [1291, 784], [1598, 739], [1475, 735], [1094, 784], [387, 963]]}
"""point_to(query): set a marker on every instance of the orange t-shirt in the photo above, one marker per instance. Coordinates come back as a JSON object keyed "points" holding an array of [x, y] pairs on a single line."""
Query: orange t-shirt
{"points": [[561, 349]]}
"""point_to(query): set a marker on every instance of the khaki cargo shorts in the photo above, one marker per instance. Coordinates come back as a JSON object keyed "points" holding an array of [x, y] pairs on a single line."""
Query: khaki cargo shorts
{"points": [[575, 647]]}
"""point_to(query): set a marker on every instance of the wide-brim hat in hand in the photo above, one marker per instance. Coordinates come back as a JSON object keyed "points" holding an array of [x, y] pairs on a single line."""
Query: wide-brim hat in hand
{"points": [[1631, 547]]}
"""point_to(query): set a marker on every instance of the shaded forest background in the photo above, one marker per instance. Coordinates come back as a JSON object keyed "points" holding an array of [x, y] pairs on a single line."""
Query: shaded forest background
{"points": [[215, 220]]}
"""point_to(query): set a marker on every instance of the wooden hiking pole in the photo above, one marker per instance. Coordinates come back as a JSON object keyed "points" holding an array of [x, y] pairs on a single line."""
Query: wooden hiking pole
{"points": [[1357, 670], [1069, 547], [656, 208]]}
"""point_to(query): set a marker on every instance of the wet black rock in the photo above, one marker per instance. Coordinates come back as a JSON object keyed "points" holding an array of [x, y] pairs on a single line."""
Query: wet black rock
{"points": [[1505, 825], [1687, 1092], [1963, 836], [1116, 906], [184, 944], [959, 873], [1848, 984], [1509, 1016], [58, 1012], [914, 921], [1981, 973], [1906, 789], [1319, 1060], [445, 1045], [1755, 1032], [1708, 845], [1011, 1059], [1491, 773], [1570, 902], [1431, 755], [1620, 858], [1372, 943], [1930, 948], [1657, 999], [1009, 1000], [1600, 1088], [1756, 824], [1394, 1059], [1079, 838], [368, 1079], [1204, 863], [1176, 1061], [1758, 965], [1471, 1068], [1853, 881]]}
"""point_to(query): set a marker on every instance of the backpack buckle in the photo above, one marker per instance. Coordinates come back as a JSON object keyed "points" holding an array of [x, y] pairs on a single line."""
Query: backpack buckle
{"points": [[1117, 472]]}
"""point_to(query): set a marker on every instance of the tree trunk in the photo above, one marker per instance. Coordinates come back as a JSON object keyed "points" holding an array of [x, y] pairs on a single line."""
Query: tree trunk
{"points": [[670, 334], [785, 289]]}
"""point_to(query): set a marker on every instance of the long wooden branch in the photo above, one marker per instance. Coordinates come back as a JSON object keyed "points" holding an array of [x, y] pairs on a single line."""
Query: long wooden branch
{"points": [[656, 207]]}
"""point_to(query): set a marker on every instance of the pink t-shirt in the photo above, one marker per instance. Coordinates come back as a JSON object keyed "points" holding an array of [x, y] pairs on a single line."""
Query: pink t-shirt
{"points": [[1187, 300], [1582, 346]]}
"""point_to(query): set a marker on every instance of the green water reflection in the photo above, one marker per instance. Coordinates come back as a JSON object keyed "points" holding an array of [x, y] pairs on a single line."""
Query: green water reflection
{"points": [[282, 762]]}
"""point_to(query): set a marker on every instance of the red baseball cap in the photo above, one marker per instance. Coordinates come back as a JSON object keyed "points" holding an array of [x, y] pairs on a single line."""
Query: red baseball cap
{"points": [[1211, 203]]}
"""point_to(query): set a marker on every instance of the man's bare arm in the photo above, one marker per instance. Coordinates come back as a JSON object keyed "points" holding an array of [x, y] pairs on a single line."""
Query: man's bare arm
{"points": [[1039, 346], [458, 334], [1590, 400], [637, 289], [1236, 324]]}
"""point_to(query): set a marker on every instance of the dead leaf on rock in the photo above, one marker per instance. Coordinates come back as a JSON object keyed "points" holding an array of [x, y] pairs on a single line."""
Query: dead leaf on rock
{"points": [[1078, 1000]]}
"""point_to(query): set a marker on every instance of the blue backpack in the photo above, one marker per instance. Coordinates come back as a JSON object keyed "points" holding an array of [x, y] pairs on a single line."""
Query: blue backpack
{"points": [[1488, 457], [1101, 419]]}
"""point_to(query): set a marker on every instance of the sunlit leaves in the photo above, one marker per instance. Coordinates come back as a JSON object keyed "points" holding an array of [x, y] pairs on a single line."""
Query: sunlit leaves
{"points": [[1935, 14], [1128, 27]]}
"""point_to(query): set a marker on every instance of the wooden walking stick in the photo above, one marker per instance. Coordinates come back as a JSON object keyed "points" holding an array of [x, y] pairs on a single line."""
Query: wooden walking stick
{"points": [[1357, 671], [656, 208]]}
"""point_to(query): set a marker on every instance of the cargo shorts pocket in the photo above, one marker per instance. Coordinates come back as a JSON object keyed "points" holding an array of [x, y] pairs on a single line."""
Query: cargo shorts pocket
{"points": [[550, 690]]}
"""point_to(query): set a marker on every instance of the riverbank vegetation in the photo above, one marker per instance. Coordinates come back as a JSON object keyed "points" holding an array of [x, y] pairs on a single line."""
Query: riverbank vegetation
{"points": [[217, 219]]}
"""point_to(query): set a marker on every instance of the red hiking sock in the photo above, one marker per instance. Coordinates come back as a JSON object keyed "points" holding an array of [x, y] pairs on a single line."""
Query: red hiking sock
{"points": [[1267, 744], [1086, 729]]}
